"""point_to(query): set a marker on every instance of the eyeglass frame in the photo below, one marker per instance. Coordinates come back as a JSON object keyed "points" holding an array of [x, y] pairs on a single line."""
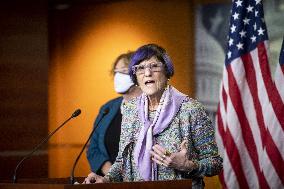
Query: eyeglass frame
{"points": [[150, 66], [121, 70]]}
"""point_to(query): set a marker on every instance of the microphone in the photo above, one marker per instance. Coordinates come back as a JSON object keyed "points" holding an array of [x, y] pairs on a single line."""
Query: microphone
{"points": [[105, 112], [75, 114]]}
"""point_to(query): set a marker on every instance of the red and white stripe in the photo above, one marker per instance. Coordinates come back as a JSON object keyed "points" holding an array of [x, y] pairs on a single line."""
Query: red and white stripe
{"points": [[250, 122], [279, 80]]}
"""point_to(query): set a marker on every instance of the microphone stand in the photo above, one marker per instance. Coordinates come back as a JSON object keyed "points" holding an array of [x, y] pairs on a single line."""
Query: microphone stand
{"points": [[72, 180], [75, 114]]}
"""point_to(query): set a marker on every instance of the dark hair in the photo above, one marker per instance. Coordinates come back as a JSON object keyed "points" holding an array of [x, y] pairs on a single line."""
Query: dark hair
{"points": [[146, 52], [127, 56]]}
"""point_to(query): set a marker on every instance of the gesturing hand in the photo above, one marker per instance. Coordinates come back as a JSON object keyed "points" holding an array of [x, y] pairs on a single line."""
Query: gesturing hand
{"points": [[94, 178], [178, 160]]}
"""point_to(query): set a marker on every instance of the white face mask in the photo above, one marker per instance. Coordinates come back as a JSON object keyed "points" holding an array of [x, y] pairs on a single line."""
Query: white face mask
{"points": [[122, 82]]}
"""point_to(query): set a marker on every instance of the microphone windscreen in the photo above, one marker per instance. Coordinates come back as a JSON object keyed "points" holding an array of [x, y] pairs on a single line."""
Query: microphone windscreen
{"points": [[76, 113]]}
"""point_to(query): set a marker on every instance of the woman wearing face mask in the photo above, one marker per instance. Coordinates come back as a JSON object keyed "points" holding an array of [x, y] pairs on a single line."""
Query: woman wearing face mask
{"points": [[103, 147]]}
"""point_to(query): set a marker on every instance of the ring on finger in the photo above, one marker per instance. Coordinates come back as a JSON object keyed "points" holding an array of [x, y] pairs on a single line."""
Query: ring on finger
{"points": [[167, 153]]}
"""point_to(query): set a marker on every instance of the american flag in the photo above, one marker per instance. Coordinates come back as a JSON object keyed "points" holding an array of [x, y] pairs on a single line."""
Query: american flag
{"points": [[250, 116]]}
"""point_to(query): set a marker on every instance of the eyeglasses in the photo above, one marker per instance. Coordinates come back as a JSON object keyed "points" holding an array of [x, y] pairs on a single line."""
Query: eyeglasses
{"points": [[154, 67], [121, 70]]}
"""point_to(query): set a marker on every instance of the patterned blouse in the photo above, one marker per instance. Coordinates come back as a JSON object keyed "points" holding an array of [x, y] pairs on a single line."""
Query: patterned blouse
{"points": [[191, 123]]}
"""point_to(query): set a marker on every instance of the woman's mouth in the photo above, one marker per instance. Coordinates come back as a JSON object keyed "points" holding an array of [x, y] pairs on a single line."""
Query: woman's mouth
{"points": [[149, 83]]}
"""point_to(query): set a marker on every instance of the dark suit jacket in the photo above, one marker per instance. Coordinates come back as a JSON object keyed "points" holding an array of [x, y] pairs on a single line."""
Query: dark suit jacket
{"points": [[97, 153]]}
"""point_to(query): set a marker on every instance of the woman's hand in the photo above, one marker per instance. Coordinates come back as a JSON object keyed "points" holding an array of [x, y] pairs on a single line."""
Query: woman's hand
{"points": [[106, 167], [94, 178], [177, 160]]}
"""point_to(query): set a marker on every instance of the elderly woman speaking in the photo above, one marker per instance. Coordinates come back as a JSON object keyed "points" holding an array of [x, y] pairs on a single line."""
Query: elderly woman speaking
{"points": [[165, 135]]}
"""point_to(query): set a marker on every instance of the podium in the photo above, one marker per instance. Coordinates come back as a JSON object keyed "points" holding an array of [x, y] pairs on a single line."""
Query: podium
{"points": [[63, 183]]}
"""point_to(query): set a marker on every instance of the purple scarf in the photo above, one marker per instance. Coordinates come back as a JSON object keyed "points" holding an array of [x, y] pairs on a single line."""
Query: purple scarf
{"points": [[169, 105]]}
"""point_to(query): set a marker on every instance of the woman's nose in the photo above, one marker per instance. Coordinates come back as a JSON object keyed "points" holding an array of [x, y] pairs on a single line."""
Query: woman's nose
{"points": [[148, 71]]}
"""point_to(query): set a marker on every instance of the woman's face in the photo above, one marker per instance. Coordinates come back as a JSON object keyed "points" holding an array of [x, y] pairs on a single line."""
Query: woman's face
{"points": [[122, 80], [152, 79]]}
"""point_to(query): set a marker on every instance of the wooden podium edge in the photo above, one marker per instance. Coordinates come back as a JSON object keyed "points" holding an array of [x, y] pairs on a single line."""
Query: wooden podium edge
{"points": [[62, 183]]}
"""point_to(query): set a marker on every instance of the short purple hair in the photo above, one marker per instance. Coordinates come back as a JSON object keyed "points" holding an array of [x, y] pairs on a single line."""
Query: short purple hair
{"points": [[148, 51]]}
